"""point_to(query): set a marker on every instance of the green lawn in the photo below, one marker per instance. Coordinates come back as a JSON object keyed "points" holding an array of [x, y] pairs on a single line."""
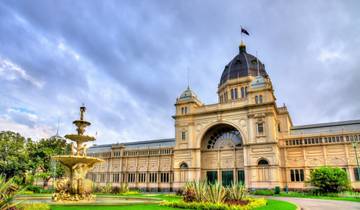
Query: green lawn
{"points": [[272, 205], [277, 205], [128, 207]]}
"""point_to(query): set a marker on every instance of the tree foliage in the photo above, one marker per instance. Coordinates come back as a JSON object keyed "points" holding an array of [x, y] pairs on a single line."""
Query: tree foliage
{"points": [[14, 159], [25, 158], [329, 179], [40, 156]]}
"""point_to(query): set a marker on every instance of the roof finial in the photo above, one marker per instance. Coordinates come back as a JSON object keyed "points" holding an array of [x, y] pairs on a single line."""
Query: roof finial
{"points": [[242, 47]]}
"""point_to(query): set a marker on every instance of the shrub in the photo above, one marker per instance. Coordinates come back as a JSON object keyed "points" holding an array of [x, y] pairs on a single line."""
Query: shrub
{"points": [[35, 189], [237, 192], [188, 193], [197, 189], [124, 188], [107, 188], [264, 192], [131, 192], [253, 203], [115, 190], [277, 190], [329, 180], [34, 206], [8, 189], [214, 193]]}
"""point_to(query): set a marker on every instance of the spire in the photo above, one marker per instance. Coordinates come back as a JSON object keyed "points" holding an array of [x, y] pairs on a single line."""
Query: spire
{"points": [[57, 129]]}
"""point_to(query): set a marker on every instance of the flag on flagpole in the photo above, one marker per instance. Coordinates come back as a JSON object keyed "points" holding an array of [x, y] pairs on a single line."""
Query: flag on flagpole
{"points": [[244, 31]]}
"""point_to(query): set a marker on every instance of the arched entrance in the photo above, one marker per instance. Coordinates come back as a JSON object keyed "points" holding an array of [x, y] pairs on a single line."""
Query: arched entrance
{"points": [[222, 155]]}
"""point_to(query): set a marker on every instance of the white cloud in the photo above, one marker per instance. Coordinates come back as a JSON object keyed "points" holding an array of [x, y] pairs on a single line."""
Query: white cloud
{"points": [[37, 132], [11, 71]]}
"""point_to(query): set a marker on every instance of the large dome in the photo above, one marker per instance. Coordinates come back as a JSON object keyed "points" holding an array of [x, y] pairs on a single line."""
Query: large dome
{"points": [[242, 65]]}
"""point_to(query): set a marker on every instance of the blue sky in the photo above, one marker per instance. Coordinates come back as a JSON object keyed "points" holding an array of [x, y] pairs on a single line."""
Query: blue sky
{"points": [[127, 61]]}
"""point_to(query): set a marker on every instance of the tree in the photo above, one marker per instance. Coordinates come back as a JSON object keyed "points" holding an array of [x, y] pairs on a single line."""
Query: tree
{"points": [[14, 157], [40, 155], [329, 180]]}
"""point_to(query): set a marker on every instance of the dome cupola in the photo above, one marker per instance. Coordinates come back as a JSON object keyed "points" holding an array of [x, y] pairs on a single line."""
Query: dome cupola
{"points": [[187, 94], [242, 65]]}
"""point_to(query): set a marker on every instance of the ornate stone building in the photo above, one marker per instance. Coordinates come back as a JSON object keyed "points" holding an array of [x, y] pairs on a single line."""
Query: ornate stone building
{"points": [[246, 137]]}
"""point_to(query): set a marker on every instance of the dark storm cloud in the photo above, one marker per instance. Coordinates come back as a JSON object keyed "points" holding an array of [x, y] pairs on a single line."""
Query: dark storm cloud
{"points": [[127, 60]]}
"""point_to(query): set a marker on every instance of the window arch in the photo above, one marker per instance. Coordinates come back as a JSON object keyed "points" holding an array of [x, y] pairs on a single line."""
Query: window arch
{"points": [[184, 165], [263, 162]]}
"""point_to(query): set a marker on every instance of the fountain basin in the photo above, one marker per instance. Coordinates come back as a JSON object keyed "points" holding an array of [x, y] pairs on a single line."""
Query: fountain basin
{"points": [[80, 138], [72, 160]]}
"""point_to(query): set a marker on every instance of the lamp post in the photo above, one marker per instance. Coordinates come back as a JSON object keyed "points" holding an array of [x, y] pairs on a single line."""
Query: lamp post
{"points": [[355, 144]]}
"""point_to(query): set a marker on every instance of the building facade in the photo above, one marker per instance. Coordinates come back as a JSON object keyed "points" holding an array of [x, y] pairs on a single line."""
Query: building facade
{"points": [[245, 137]]}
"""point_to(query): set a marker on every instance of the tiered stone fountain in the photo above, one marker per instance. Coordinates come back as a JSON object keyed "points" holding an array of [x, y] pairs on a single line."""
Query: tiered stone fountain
{"points": [[75, 187]]}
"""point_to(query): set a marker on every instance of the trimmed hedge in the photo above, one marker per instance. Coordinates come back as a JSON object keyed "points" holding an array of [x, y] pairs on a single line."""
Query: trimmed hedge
{"points": [[264, 192]]}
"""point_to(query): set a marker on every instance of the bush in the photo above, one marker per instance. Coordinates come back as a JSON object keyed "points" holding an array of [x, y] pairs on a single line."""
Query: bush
{"points": [[253, 203], [277, 190], [263, 192], [34, 206], [33, 188], [329, 180], [237, 192], [115, 190], [215, 193], [8, 189]]}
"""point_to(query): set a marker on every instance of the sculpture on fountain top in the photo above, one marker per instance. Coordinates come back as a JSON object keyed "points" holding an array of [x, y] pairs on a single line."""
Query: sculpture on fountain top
{"points": [[75, 187]]}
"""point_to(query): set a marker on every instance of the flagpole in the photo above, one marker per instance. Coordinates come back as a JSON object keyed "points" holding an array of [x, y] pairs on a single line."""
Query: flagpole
{"points": [[241, 34]]}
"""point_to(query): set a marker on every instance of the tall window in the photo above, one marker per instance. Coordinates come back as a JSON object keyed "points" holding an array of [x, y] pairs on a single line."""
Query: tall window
{"points": [[183, 172], [256, 99], [242, 92], [141, 177], [297, 175], [153, 177], [131, 177], [211, 176], [263, 170], [260, 128], [234, 94], [164, 177], [183, 135], [184, 110], [116, 177], [260, 99], [356, 175]]}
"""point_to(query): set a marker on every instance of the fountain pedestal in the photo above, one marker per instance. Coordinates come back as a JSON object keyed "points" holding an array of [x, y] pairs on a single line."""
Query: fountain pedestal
{"points": [[75, 187]]}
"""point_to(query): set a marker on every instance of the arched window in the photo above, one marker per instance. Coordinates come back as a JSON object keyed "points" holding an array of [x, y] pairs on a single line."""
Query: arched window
{"points": [[263, 170], [260, 99], [184, 172], [242, 92], [256, 99], [184, 166], [263, 162]]}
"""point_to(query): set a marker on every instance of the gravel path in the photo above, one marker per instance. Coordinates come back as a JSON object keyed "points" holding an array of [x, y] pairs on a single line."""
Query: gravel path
{"points": [[318, 204]]}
